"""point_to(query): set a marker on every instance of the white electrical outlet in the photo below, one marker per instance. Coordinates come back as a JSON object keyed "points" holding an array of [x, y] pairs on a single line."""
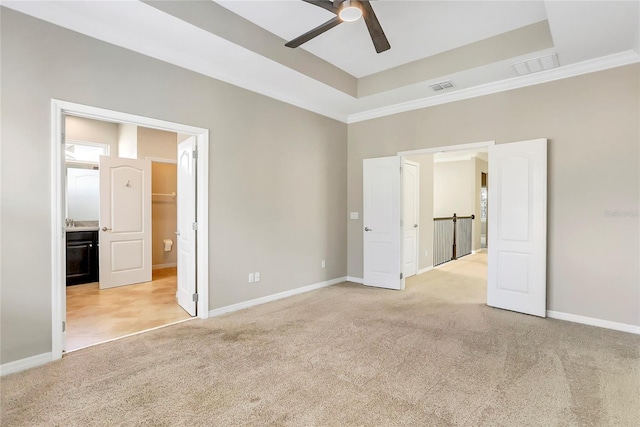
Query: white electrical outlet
{"points": [[250, 277], [426, 253], [257, 275], [323, 264]]}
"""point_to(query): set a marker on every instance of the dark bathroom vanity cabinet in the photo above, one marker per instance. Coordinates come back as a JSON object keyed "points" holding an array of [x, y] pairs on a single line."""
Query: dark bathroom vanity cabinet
{"points": [[82, 257]]}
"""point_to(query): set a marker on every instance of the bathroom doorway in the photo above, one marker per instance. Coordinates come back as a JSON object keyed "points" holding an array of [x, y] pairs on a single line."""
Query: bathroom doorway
{"points": [[100, 309], [192, 169]]}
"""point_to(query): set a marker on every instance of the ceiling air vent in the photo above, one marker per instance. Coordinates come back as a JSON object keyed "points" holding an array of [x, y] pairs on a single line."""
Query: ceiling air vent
{"points": [[442, 85], [536, 64]]}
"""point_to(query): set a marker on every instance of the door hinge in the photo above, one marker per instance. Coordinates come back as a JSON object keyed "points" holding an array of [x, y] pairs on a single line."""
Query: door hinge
{"points": [[195, 154], [63, 136], [64, 326], [401, 275], [194, 226], [195, 297]]}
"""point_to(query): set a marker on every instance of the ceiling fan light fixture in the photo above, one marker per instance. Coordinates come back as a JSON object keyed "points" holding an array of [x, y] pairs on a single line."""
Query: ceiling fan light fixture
{"points": [[349, 12]]}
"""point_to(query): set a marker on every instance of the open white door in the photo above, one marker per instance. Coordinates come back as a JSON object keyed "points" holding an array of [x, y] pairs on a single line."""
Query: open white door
{"points": [[186, 233], [517, 266], [381, 218], [410, 202], [125, 221]]}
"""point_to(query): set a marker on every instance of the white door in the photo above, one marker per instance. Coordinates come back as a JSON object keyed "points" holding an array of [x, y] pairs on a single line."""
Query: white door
{"points": [[125, 221], [381, 219], [186, 233], [410, 204], [517, 237]]}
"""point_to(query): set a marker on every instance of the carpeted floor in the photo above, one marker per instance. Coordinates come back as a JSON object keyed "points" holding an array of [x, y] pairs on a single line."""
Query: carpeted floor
{"points": [[432, 355]]}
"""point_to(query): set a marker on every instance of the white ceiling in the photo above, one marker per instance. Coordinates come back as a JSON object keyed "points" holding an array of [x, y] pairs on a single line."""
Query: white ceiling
{"points": [[587, 36], [437, 26]]}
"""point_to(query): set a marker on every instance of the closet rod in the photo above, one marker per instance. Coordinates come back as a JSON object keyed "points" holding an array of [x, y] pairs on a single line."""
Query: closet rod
{"points": [[173, 194]]}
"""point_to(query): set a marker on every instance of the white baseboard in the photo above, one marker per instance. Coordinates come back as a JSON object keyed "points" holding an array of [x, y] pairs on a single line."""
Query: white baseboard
{"points": [[168, 265], [424, 270], [26, 363], [269, 298], [624, 327], [355, 279]]}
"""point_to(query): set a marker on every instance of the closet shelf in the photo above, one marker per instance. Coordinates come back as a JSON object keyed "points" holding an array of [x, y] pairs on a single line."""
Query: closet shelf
{"points": [[173, 194]]}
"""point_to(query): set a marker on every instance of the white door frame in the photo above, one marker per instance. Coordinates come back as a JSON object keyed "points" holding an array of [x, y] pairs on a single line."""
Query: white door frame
{"points": [[58, 251]]}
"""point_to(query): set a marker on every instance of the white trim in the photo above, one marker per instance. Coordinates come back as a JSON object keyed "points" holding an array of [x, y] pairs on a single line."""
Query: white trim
{"points": [[270, 298], [58, 296], [591, 321], [26, 363], [458, 147], [58, 250], [161, 160], [167, 265], [457, 158], [599, 64], [424, 270], [355, 279]]}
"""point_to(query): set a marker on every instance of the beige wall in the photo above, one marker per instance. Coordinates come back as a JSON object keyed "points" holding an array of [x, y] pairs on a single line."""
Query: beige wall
{"points": [[453, 186], [425, 234], [88, 130], [457, 190], [277, 173], [157, 144], [592, 123], [164, 217]]}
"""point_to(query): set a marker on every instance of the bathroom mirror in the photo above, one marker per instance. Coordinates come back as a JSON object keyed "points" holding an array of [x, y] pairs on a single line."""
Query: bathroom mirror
{"points": [[83, 193]]}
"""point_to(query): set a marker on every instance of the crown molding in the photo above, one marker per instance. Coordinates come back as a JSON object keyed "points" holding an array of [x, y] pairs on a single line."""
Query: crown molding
{"points": [[599, 64]]}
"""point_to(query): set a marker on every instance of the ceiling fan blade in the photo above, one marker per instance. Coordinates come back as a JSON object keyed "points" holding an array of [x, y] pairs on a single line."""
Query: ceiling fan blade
{"points": [[314, 33], [375, 29], [325, 4]]}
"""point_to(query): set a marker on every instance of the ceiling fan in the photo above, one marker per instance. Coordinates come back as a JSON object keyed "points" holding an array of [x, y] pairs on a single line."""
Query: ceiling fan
{"points": [[346, 11]]}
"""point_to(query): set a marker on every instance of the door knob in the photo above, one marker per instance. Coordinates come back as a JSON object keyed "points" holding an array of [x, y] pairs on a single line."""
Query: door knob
{"points": [[367, 229], [178, 233], [415, 225], [106, 229]]}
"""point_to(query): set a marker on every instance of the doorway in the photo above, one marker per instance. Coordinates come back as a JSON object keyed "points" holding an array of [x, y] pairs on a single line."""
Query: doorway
{"points": [[517, 224], [199, 176], [122, 278]]}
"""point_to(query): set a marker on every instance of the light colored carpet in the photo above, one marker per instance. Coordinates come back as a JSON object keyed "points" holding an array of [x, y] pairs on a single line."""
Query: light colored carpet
{"points": [[433, 355]]}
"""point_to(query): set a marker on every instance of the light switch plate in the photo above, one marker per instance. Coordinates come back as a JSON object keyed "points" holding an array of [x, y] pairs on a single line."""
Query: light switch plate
{"points": [[353, 215], [250, 277], [257, 275]]}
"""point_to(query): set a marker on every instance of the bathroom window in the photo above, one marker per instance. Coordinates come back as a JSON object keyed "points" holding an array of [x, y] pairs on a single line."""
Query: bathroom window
{"points": [[85, 152]]}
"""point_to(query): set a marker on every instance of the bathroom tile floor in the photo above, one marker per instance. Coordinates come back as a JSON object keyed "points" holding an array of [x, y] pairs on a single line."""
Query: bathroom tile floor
{"points": [[95, 315]]}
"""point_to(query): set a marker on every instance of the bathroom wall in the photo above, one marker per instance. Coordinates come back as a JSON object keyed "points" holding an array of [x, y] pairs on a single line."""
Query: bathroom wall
{"points": [[89, 130], [157, 144]]}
